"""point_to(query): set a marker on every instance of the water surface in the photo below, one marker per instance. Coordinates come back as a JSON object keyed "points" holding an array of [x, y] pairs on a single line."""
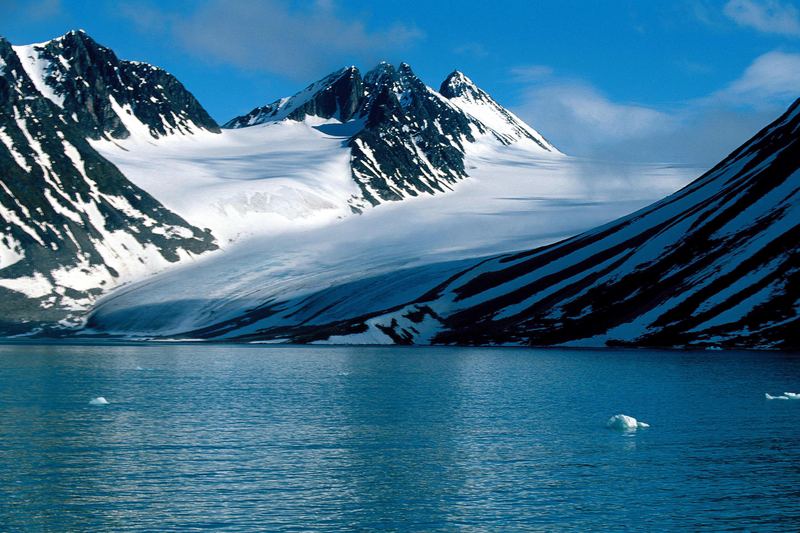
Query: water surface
{"points": [[335, 438]]}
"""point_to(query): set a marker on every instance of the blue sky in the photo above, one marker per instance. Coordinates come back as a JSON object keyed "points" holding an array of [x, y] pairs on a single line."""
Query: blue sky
{"points": [[683, 80]]}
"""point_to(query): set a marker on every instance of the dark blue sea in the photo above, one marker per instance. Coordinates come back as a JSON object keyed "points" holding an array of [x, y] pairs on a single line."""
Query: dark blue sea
{"points": [[267, 438]]}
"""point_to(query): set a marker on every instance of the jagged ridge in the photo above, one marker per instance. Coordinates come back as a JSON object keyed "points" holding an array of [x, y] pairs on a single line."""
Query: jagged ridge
{"points": [[107, 96]]}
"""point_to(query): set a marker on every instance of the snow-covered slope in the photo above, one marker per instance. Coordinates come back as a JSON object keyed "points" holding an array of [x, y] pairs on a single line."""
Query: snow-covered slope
{"points": [[337, 95], [714, 264], [71, 225], [243, 182], [338, 146]]}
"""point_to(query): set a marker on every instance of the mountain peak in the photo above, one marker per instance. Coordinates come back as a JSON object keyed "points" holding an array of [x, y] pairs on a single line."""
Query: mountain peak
{"points": [[337, 95], [109, 97], [458, 84], [464, 93]]}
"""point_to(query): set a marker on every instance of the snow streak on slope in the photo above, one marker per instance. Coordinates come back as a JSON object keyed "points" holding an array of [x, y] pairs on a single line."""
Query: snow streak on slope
{"points": [[315, 276]]}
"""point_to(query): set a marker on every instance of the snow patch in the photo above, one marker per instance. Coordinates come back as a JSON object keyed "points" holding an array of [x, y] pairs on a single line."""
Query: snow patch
{"points": [[37, 69]]}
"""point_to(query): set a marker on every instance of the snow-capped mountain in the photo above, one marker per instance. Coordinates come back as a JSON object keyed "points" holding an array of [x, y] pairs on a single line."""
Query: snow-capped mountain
{"points": [[714, 264], [109, 97], [405, 138], [71, 225]]}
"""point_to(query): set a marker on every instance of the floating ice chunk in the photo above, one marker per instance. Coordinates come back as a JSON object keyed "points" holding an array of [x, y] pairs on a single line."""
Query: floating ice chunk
{"points": [[98, 401], [625, 423], [771, 397], [714, 348], [792, 395]]}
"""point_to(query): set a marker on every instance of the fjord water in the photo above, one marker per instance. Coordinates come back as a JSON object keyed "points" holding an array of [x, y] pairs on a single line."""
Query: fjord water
{"points": [[338, 438]]}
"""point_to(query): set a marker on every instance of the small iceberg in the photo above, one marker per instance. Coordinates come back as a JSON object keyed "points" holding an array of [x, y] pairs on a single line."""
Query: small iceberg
{"points": [[625, 423], [98, 401], [769, 396], [792, 395]]}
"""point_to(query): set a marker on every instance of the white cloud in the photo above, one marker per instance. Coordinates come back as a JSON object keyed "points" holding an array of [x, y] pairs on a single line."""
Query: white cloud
{"points": [[578, 113], [769, 16], [31, 9], [774, 76], [471, 49], [580, 120], [289, 39]]}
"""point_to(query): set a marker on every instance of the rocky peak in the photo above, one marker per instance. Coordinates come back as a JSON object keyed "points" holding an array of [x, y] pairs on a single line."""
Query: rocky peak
{"points": [[457, 84], [505, 125], [338, 95], [71, 225], [413, 139], [109, 97]]}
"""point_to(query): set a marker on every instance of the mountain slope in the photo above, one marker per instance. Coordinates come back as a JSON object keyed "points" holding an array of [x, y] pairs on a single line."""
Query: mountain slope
{"points": [[107, 96], [71, 225], [715, 264], [405, 138], [337, 95]]}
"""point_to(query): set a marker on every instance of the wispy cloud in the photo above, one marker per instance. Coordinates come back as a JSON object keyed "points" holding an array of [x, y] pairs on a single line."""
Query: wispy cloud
{"points": [[290, 39], [528, 73], [581, 113], [768, 16], [475, 50], [772, 76], [31, 9], [581, 120]]}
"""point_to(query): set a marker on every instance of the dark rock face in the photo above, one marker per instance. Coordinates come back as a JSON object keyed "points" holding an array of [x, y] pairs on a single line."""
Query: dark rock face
{"points": [[412, 140], [335, 96], [93, 87], [67, 215]]}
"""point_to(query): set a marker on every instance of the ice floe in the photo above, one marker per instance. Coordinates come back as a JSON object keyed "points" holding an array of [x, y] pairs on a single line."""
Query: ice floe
{"points": [[625, 423], [784, 396], [98, 401]]}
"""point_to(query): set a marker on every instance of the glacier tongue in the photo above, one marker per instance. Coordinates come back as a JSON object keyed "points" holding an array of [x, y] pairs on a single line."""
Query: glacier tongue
{"points": [[513, 200]]}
